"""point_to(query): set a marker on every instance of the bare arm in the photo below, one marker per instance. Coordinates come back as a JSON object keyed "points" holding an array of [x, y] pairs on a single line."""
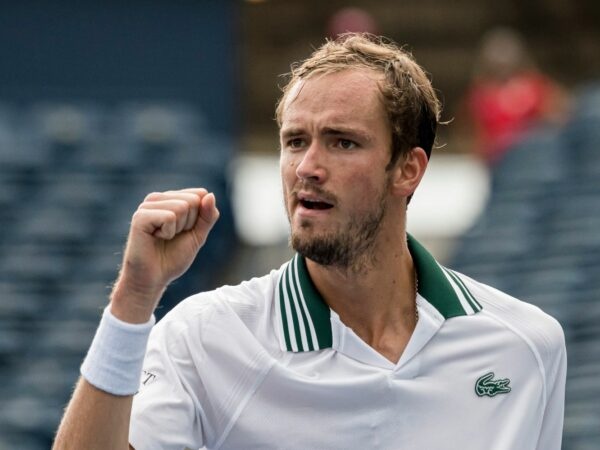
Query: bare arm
{"points": [[94, 420], [166, 233]]}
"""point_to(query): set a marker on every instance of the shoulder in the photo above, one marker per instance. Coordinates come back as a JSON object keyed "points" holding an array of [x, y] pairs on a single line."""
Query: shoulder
{"points": [[249, 297], [244, 310], [539, 331]]}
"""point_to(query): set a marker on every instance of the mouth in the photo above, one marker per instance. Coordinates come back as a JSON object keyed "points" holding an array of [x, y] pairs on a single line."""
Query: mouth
{"points": [[315, 204], [314, 201]]}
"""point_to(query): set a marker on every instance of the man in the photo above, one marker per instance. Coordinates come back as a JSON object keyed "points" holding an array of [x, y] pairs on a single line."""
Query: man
{"points": [[361, 341]]}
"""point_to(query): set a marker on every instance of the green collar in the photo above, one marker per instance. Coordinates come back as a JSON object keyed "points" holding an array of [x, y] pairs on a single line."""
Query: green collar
{"points": [[305, 317]]}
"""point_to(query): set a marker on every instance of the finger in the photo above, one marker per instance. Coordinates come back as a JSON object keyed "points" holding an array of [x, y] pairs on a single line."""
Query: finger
{"points": [[159, 223], [193, 198], [198, 191], [192, 216], [207, 217], [191, 195], [184, 212]]}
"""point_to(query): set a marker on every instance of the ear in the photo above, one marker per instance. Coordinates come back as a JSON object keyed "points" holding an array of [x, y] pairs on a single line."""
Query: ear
{"points": [[409, 170]]}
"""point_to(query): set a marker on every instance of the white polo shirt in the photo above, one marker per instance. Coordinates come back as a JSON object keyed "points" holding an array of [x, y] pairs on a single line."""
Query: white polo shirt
{"points": [[267, 365]]}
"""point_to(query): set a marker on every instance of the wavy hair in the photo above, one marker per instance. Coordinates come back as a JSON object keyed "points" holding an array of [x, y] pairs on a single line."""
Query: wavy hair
{"points": [[411, 103]]}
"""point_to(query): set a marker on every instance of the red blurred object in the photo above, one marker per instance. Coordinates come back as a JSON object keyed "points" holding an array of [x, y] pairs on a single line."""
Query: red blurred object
{"points": [[506, 109], [508, 95], [354, 20]]}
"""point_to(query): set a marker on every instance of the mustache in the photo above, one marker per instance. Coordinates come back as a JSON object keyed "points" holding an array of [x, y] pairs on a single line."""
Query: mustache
{"points": [[311, 188]]}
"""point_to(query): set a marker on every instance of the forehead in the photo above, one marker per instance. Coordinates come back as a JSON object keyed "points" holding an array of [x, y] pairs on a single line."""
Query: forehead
{"points": [[343, 95]]}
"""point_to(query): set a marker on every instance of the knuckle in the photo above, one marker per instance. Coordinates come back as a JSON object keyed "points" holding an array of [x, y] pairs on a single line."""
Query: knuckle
{"points": [[171, 217], [153, 196], [181, 207], [137, 215]]}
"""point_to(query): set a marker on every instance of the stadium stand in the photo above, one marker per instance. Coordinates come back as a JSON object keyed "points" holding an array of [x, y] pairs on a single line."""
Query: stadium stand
{"points": [[538, 240], [92, 163], [71, 175]]}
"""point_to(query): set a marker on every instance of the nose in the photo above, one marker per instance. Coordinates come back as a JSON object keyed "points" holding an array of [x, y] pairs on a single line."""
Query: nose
{"points": [[311, 166]]}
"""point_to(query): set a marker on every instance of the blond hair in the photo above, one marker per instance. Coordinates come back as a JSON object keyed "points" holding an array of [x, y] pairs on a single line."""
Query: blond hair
{"points": [[408, 97]]}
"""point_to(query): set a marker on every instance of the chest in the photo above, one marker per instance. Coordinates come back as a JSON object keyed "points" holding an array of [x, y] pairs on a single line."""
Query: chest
{"points": [[459, 402]]}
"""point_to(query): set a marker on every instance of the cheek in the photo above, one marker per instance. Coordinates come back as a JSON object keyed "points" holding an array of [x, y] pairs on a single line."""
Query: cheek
{"points": [[286, 160], [287, 169], [363, 191], [357, 177]]}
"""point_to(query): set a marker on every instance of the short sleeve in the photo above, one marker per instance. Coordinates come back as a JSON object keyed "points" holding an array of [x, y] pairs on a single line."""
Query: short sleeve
{"points": [[166, 413], [556, 373]]}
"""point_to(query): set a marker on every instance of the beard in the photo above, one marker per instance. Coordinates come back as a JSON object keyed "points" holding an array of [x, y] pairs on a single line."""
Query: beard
{"points": [[349, 248]]}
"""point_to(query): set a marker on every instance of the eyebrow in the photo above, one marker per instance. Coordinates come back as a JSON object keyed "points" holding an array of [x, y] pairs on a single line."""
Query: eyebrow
{"points": [[340, 131], [328, 131], [289, 132]]}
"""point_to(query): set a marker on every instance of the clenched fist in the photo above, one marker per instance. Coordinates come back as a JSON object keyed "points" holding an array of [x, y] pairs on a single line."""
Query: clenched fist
{"points": [[166, 232]]}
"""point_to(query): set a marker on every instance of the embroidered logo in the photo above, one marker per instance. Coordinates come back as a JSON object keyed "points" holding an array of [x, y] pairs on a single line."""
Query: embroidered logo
{"points": [[486, 385]]}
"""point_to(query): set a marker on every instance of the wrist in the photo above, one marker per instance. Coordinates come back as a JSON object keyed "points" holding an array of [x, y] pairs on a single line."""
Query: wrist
{"points": [[116, 355], [133, 304]]}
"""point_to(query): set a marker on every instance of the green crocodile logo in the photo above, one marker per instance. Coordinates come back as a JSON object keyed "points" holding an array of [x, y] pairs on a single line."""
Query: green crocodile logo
{"points": [[486, 385]]}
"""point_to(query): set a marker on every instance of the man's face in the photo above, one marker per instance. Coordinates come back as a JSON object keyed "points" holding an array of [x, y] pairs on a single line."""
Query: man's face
{"points": [[335, 146]]}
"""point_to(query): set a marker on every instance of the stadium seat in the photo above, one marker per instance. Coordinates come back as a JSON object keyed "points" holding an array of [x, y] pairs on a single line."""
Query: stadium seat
{"points": [[71, 176], [538, 240]]}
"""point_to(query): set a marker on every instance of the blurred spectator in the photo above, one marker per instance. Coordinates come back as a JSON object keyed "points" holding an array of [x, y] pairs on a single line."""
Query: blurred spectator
{"points": [[508, 95], [351, 20]]}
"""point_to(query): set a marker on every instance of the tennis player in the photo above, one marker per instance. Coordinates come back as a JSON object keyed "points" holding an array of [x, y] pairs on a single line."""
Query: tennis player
{"points": [[361, 341]]}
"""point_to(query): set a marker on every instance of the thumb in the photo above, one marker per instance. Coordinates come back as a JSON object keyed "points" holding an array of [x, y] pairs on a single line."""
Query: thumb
{"points": [[207, 217]]}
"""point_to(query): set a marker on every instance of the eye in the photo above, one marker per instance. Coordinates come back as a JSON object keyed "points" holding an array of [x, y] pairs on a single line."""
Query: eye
{"points": [[295, 143], [346, 144]]}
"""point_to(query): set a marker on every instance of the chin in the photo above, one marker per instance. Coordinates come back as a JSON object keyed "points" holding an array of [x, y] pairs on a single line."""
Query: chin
{"points": [[308, 229]]}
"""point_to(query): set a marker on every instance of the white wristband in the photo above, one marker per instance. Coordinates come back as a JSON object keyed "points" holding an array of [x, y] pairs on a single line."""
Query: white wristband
{"points": [[115, 358]]}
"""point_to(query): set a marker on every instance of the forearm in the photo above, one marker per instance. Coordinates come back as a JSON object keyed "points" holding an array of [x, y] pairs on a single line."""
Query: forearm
{"points": [[94, 419], [165, 235], [98, 414]]}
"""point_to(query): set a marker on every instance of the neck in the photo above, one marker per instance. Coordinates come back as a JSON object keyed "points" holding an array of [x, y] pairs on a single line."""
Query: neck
{"points": [[375, 298]]}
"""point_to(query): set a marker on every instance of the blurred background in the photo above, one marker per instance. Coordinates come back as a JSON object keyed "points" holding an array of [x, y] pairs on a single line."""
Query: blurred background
{"points": [[102, 102]]}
